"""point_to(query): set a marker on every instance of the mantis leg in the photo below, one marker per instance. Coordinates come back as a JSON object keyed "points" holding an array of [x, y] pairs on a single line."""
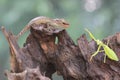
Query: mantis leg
{"points": [[101, 51], [108, 42], [95, 52], [105, 58]]}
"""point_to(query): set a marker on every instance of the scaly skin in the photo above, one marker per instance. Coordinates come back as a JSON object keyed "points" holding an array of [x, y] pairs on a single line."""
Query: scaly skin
{"points": [[58, 24]]}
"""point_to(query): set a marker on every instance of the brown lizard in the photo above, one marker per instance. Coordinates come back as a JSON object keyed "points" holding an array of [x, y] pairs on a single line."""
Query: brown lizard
{"points": [[58, 24]]}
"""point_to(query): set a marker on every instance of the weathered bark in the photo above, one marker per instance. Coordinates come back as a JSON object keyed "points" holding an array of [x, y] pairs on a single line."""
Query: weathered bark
{"points": [[41, 56]]}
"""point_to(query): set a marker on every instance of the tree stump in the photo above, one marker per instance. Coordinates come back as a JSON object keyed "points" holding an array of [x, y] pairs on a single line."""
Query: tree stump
{"points": [[42, 55]]}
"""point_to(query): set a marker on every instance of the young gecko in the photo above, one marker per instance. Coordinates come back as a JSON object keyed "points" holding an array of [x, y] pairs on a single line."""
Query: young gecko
{"points": [[58, 24]]}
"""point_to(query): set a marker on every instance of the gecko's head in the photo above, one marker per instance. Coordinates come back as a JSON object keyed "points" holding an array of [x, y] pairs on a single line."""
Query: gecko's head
{"points": [[63, 23]]}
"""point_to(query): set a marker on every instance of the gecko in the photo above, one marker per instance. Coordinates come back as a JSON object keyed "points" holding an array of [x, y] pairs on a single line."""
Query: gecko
{"points": [[58, 24]]}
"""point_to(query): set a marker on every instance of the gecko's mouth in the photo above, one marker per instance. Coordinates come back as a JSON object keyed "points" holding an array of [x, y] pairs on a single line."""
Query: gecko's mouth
{"points": [[65, 25]]}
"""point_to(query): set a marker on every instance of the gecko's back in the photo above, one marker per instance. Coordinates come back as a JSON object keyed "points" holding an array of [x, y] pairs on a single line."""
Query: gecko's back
{"points": [[55, 24], [39, 20]]}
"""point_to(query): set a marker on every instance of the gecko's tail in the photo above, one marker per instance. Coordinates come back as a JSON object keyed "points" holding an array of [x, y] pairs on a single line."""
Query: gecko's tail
{"points": [[23, 31]]}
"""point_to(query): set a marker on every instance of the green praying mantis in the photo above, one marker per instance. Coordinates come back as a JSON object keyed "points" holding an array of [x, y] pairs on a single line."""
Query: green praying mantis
{"points": [[108, 52]]}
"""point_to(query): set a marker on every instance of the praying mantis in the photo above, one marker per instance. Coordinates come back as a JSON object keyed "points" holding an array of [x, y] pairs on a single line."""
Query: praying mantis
{"points": [[108, 52]]}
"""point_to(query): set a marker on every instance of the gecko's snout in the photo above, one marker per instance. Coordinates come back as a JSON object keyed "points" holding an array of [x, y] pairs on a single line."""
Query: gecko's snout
{"points": [[62, 22], [66, 25]]}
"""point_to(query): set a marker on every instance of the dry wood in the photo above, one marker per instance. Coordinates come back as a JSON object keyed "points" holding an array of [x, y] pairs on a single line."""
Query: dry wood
{"points": [[41, 56]]}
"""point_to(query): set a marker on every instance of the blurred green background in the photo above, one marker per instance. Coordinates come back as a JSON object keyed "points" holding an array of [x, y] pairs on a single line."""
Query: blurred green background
{"points": [[102, 17]]}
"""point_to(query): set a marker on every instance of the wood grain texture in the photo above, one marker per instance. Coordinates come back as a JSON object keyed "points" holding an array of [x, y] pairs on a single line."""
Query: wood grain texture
{"points": [[41, 57]]}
